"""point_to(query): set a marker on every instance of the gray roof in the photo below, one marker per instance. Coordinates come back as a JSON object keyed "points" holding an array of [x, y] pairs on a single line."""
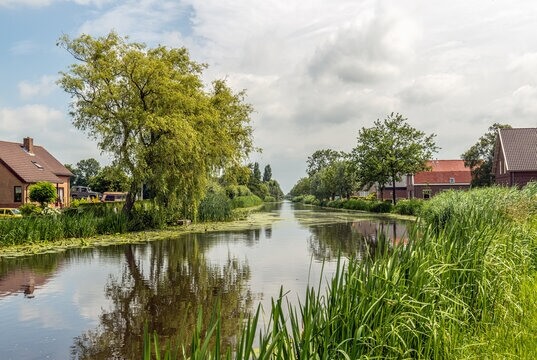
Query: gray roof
{"points": [[519, 148], [31, 168]]}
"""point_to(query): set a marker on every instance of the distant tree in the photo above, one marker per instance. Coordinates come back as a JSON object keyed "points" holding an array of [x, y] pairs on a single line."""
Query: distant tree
{"points": [[480, 156], [236, 175], [302, 187], [267, 173], [43, 192], [390, 149], [274, 189], [85, 170], [256, 172], [109, 178], [321, 159]]}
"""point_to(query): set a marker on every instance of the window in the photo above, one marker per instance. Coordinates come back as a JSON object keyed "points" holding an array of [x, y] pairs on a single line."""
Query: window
{"points": [[452, 180], [17, 194], [427, 193], [39, 166]]}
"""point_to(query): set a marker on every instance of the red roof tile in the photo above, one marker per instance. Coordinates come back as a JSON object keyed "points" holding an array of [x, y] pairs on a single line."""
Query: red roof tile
{"points": [[442, 171], [31, 168]]}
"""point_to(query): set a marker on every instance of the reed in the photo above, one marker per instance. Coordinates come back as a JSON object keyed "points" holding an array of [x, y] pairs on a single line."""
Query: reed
{"points": [[468, 266]]}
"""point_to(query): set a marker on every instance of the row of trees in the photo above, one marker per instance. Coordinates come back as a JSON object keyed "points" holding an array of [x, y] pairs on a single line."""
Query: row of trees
{"points": [[383, 154]]}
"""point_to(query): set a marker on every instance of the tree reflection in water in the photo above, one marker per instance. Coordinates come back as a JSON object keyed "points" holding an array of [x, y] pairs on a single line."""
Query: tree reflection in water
{"points": [[164, 284], [354, 239]]}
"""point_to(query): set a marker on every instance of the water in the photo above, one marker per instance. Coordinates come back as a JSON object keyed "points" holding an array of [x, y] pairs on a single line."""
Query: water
{"points": [[93, 303]]}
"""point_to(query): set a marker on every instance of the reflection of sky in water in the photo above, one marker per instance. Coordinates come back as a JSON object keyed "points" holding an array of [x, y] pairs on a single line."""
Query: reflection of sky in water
{"points": [[44, 326], [72, 298]]}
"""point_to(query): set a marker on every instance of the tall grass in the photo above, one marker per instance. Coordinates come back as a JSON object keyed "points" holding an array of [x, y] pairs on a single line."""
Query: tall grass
{"points": [[461, 275], [28, 230]]}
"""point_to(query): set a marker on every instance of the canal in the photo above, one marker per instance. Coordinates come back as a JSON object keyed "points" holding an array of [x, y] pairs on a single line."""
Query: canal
{"points": [[93, 303]]}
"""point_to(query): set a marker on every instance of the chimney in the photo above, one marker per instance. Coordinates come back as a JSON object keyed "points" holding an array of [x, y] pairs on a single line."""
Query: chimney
{"points": [[28, 144]]}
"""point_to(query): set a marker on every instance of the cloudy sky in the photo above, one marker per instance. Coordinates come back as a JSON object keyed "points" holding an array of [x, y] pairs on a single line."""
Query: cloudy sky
{"points": [[315, 71]]}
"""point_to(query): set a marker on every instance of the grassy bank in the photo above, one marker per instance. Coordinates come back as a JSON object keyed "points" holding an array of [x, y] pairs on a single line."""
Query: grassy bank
{"points": [[463, 287], [21, 237]]}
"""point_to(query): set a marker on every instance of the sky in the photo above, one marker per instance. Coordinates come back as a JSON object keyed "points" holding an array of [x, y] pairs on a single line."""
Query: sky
{"points": [[315, 71]]}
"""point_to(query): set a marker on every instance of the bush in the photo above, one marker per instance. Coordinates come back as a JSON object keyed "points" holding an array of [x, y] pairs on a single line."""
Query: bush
{"points": [[408, 207], [309, 199], [43, 192], [215, 207], [298, 198], [269, 199], [357, 204], [246, 201], [381, 207], [30, 209]]}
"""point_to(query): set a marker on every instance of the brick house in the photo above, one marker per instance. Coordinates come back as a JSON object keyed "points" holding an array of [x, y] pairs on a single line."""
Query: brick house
{"points": [[515, 156], [442, 175], [22, 165]]}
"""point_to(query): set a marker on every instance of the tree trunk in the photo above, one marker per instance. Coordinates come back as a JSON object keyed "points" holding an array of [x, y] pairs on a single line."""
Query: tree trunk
{"points": [[393, 190], [131, 197]]}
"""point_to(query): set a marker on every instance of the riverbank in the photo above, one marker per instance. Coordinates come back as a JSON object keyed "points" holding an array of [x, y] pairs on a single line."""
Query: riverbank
{"points": [[251, 218]]}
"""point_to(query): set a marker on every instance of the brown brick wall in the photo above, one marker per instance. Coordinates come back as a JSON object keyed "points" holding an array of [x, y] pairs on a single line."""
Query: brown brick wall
{"points": [[8, 181], [522, 178]]}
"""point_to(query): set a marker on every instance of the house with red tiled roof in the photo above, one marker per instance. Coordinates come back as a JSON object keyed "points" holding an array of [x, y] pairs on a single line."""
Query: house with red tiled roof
{"points": [[515, 156], [442, 175], [22, 165]]}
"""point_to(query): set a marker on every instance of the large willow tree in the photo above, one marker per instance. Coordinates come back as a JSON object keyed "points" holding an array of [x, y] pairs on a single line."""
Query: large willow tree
{"points": [[149, 109]]}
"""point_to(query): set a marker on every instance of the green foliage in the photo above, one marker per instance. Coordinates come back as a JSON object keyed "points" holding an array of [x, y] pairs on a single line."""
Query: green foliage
{"points": [[390, 149], [232, 191], [321, 159], [269, 199], [302, 187], [84, 171], [267, 174], [109, 178], [357, 204], [256, 173], [43, 192], [480, 156], [298, 198], [274, 189], [215, 207], [408, 207], [30, 209], [381, 206], [246, 201], [309, 199], [150, 110]]}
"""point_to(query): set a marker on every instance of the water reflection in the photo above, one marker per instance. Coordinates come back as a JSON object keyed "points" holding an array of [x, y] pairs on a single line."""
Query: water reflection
{"points": [[353, 239], [93, 303], [165, 290]]}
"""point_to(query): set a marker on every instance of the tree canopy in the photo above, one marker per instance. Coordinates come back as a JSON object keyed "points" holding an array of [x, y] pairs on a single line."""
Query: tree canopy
{"points": [[479, 157], [149, 109], [267, 173], [391, 149], [321, 159], [43, 192]]}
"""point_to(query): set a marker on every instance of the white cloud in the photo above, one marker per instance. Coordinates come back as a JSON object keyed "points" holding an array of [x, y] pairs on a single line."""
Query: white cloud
{"points": [[433, 87], [45, 86], [43, 3], [367, 50], [23, 47]]}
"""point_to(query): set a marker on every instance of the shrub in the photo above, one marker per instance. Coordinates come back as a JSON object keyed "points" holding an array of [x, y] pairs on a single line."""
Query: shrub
{"points": [[269, 199], [408, 207], [215, 207], [308, 199], [298, 198], [43, 192], [381, 207], [30, 209], [246, 201], [357, 204]]}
